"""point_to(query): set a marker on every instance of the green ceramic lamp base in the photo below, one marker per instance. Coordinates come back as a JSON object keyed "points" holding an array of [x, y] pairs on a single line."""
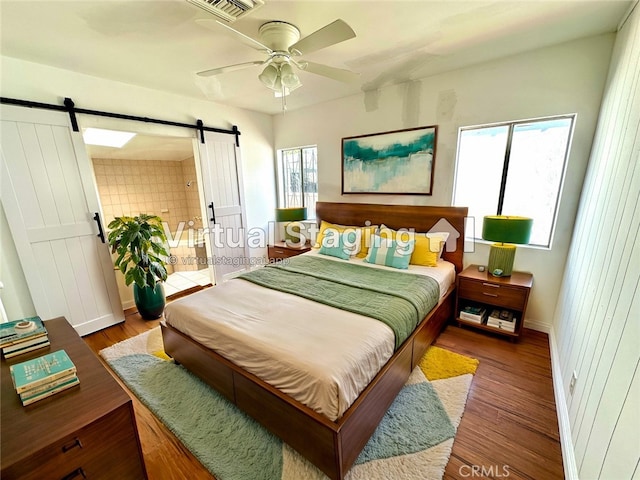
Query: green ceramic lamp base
{"points": [[501, 257], [292, 233]]}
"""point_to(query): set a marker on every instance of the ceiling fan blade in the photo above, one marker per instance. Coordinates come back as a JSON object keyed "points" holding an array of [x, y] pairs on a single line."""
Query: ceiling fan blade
{"points": [[245, 39], [339, 74], [328, 35], [230, 68]]}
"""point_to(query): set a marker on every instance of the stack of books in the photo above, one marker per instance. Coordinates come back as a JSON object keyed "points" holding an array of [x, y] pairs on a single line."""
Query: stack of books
{"points": [[43, 376], [22, 336], [502, 319], [473, 314]]}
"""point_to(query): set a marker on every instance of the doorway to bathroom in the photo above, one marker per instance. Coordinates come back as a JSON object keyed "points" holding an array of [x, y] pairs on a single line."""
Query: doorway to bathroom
{"points": [[157, 175]]}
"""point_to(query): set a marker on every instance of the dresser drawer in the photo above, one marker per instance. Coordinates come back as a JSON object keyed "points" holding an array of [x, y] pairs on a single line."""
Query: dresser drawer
{"points": [[105, 449], [505, 296]]}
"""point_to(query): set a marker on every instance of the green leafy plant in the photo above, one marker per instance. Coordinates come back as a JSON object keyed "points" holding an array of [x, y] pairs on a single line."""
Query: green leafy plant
{"points": [[139, 244]]}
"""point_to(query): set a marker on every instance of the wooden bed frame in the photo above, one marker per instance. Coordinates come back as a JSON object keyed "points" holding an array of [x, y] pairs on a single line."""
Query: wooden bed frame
{"points": [[332, 446]]}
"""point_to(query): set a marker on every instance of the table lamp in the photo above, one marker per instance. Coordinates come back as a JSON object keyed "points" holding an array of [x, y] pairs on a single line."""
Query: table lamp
{"points": [[506, 230], [291, 218]]}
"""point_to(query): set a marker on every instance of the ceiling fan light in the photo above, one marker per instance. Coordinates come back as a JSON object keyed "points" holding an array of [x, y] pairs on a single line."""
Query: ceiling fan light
{"points": [[269, 76], [288, 76], [277, 86]]}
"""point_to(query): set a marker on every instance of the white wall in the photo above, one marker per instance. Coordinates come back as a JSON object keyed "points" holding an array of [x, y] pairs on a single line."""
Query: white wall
{"points": [[15, 295], [596, 328], [562, 79], [40, 83]]}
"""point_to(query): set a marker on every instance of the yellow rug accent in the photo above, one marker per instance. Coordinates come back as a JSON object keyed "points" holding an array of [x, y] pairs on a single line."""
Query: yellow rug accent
{"points": [[439, 363], [155, 346]]}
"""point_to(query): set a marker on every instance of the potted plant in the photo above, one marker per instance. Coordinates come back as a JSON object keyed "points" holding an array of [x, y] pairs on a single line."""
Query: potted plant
{"points": [[139, 243]]}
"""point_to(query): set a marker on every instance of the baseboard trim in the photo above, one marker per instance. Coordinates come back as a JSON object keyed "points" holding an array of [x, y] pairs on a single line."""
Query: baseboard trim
{"points": [[537, 326], [129, 304], [564, 425]]}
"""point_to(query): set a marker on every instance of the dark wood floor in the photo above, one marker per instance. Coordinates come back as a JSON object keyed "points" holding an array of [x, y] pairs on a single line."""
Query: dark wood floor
{"points": [[509, 428]]}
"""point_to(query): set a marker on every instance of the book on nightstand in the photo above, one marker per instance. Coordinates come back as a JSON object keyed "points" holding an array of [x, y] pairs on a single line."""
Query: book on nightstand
{"points": [[473, 314], [22, 336], [502, 320], [43, 376]]}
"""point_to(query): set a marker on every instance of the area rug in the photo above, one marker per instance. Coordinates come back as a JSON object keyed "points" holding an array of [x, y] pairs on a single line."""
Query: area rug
{"points": [[413, 441]]}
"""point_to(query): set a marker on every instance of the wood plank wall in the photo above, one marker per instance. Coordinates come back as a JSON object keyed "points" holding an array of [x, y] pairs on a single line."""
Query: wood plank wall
{"points": [[597, 320]]}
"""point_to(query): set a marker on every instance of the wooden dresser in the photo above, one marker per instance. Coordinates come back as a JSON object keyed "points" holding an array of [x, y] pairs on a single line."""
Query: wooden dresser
{"points": [[88, 431]]}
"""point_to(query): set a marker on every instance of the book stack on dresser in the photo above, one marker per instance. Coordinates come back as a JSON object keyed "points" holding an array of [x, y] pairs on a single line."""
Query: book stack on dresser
{"points": [[43, 376], [22, 336]]}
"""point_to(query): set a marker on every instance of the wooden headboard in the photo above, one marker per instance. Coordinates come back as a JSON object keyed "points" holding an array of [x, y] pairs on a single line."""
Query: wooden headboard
{"points": [[420, 218]]}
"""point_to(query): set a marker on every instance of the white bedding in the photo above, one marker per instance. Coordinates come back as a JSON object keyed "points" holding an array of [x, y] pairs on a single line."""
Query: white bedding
{"points": [[319, 355]]}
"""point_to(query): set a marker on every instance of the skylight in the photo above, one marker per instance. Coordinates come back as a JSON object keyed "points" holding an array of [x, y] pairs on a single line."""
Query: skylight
{"points": [[106, 138]]}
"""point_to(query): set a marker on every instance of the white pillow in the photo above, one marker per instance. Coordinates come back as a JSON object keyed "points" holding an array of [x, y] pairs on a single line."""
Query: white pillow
{"points": [[440, 236]]}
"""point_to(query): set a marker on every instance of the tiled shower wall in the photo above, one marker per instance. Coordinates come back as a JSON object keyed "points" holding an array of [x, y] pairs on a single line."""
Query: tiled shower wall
{"points": [[193, 199], [131, 187], [155, 187]]}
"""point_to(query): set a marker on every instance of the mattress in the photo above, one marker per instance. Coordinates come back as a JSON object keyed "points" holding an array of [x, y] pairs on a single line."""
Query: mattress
{"points": [[319, 355]]}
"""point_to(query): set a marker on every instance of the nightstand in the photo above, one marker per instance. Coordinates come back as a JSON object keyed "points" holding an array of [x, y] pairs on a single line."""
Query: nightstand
{"points": [[481, 289], [280, 250]]}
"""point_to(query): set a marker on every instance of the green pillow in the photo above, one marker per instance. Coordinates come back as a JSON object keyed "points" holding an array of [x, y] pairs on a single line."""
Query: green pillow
{"points": [[338, 244]]}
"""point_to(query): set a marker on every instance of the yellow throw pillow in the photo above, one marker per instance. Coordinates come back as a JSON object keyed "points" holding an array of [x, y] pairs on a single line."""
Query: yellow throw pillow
{"points": [[427, 248], [366, 239], [323, 226], [426, 251]]}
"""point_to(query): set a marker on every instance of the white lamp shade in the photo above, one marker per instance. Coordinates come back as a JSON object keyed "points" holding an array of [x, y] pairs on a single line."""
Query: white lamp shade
{"points": [[288, 77], [269, 76]]}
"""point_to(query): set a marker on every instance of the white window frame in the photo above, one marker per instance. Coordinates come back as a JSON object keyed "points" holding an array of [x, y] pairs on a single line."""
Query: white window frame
{"points": [[511, 124], [282, 201]]}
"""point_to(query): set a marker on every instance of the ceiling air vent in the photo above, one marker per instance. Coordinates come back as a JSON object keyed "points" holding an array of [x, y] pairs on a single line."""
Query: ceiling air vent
{"points": [[228, 10]]}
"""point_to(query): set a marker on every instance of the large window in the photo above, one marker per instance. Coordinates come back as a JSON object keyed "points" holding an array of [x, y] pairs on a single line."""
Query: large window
{"points": [[514, 168], [298, 178]]}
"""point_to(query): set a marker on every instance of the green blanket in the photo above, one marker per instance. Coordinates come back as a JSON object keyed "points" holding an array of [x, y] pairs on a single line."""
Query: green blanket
{"points": [[400, 300]]}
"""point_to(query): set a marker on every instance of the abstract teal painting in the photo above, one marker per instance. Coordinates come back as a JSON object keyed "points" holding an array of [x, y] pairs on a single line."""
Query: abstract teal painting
{"points": [[398, 162]]}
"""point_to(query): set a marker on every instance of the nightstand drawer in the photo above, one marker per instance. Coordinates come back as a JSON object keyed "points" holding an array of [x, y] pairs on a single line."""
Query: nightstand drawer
{"points": [[487, 292], [279, 252]]}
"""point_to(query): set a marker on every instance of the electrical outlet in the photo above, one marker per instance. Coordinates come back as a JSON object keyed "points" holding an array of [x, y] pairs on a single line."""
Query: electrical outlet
{"points": [[572, 383]]}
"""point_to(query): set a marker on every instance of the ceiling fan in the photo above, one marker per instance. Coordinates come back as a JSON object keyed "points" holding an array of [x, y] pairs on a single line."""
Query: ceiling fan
{"points": [[281, 42]]}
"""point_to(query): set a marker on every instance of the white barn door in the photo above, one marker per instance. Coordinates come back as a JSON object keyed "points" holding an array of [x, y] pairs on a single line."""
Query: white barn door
{"points": [[50, 200], [224, 199]]}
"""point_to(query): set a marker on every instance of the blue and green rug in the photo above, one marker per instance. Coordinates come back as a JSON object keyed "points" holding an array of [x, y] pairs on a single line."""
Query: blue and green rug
{"points": [[413, 441]]}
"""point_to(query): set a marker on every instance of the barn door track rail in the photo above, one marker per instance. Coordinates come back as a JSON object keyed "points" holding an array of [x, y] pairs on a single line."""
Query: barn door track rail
{"points": [[69, 106]]}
